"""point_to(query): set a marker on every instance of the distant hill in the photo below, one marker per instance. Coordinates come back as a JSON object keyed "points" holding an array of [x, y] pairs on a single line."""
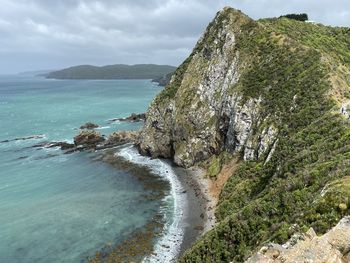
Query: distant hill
{"points": [[118, 71]]}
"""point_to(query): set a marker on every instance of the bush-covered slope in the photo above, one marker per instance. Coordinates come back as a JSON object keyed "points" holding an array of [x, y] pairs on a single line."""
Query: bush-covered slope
{"points": [[119, 71], [268, 91]]}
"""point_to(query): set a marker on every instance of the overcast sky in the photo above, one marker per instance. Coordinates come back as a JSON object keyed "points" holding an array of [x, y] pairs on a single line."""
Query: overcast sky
{"points": [[52, 34]]}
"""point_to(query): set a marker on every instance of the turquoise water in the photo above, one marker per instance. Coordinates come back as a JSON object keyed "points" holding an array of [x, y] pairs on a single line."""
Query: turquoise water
{"points": [[57, 207]]}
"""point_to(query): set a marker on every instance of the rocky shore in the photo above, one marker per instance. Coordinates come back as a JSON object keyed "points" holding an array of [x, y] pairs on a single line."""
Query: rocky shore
{"points": [[197, 210], [194, 211]]}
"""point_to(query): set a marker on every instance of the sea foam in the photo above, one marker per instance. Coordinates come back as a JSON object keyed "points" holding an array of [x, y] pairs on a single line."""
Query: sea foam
{"points": [[168, 246]]}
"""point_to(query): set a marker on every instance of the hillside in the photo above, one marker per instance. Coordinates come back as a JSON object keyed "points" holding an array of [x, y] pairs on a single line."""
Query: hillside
{"points": [[119, 71], [275, 94]]}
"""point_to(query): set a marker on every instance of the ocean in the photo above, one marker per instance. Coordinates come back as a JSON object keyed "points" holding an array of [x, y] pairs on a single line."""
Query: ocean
{"points": [[57, 207]]}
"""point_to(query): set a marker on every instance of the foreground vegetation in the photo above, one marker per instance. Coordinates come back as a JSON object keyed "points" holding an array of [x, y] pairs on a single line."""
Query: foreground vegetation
{"points": [[306, 183]]}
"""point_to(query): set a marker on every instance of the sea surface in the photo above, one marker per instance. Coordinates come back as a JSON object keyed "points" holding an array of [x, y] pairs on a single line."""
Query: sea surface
{"points": [[57, 207]]}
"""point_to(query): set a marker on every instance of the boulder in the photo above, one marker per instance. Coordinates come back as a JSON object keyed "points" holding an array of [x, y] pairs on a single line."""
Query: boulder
{"points": [[88, 139], [334, 246], [89, 126], [119, 138], [134, 117]]}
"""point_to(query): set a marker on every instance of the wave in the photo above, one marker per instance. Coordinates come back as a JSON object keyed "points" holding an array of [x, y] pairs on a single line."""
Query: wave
{"points": [[114, 122], [103, 127], [167, 248]]}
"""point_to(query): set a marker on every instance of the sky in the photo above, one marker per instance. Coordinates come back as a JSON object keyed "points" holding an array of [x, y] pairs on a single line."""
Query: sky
{"points": [[54, 34]]}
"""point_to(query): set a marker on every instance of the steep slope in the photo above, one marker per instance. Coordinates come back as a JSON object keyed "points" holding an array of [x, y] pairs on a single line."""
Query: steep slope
{"points": [[118, 71], [334, 246], [271, 92]]}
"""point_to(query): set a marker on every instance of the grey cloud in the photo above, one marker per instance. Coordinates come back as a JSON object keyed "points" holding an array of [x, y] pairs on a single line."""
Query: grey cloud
{"points": [[38, 34]]}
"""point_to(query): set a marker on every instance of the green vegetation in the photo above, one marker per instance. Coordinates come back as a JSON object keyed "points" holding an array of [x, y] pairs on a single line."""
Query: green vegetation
{"points": [[119, 71], [330, 41], [163, 80], [305, 183], [171, 89], [214, 164], [205, 44], [299, 17]]}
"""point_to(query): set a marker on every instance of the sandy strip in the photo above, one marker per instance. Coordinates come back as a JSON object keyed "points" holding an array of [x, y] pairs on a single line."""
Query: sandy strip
{"points": [[199, 216], [195, 200]]}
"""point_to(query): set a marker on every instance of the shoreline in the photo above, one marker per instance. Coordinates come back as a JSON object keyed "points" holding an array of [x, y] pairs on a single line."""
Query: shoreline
{"points": [[199, 215], [193, 210], [203, 195], [186, 218]]}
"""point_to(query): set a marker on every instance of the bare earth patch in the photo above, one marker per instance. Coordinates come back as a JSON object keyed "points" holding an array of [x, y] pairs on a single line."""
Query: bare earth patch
{"points": [[217, 184]]}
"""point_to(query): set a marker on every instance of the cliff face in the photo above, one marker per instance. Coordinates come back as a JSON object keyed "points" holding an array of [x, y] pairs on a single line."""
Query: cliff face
{"points": [[275, 93], [207, 114]]}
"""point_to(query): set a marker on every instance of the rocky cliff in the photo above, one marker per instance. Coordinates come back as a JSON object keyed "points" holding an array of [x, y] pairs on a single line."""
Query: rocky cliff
{"points": [[333, 246], [269, 92], [202, 112]]}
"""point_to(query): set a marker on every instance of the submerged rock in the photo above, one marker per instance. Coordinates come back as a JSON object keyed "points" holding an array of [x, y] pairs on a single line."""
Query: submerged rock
{"points": [[63, 145], [89, 126], [66, 145], [334, 246], [31, 137]]}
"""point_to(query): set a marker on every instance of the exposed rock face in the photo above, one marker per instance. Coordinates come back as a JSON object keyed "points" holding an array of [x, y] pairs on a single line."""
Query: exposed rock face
{"points": [[208, 114], [122, 137], [88, 139], [332, 247], [344, 110]]}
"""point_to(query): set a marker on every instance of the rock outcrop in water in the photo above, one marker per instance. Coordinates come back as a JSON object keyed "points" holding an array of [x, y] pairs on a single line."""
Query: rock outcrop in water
{"points": [[93, 140], [89, 126], [32, 137], [269, 93], [88, 139], [62, 145], [121, 137], [134, 117]]}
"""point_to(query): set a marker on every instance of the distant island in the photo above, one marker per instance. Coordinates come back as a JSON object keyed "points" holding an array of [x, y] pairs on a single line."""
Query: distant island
{"points": [[118, 71]]}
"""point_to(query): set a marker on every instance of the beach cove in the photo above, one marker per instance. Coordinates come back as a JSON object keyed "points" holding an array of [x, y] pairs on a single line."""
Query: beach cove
{"points": [[82, 203]]}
